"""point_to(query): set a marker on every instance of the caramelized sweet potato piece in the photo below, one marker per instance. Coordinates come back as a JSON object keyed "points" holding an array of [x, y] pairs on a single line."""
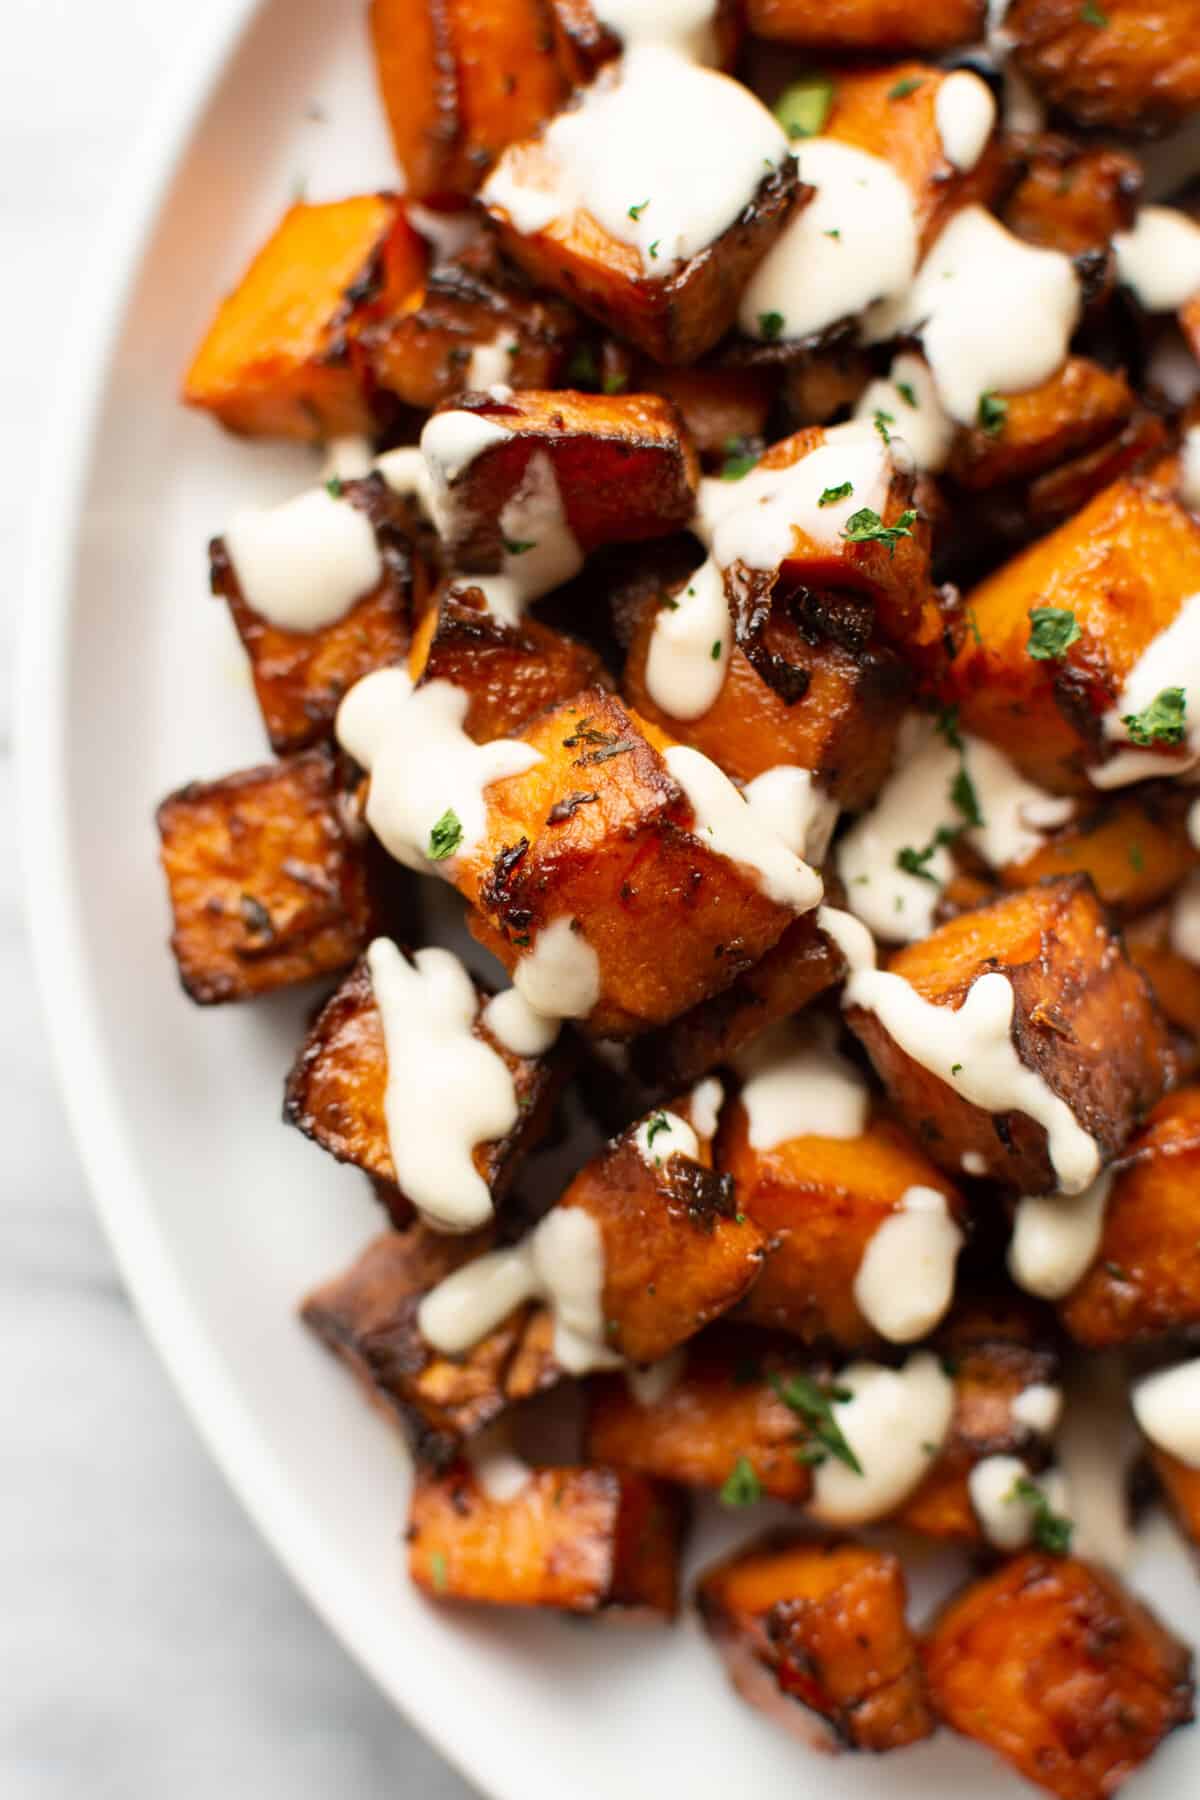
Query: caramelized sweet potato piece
{"points": [[1083, 1019], [280, 358], [823, 1625], [300, 677], [368, 1317], [1131, 65], [669, 920], [721, 408], [1123, 567], [511, 672], [1073, 197], [622, 467], [1062, 492], [1078, 405], [575, 1540], [335, 1091], [1055, 1666], [460, 79], [1145, 1277], [882, 27], [267, 888], [820, 1201], [1135, 847]]}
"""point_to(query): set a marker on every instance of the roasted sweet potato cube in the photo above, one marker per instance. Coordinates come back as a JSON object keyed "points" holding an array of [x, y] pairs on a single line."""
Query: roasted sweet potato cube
{"points": [[823, 1625], [1080, 404], [280, 357], [996, 1353], [721, 408], [803, 685], [1073, 197], [1130, 66], [335, 1091], [804, 963], [573, 1539], [819, 384], [621, 465], [1053, 1664], [588, 42], [1060, 493], [477, 322], [1123, 567], [820, 1201], [881, 27], [1083, 1020], [600, 832], [512, 672], [300, 677], [267, 886], [460, 79], [1144, 1280], [1134, 846], [368, 1317], [676, 314]]}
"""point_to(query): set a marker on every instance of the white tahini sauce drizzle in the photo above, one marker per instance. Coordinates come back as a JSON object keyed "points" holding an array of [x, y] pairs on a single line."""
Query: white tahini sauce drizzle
{"points": [[517, 1026], [685, 25], [973, 1163], [438, 1070], [755, 520], [994, 314], [1095, 1445], [1006, 1515], [688, 654], [801, 814], [405, 472], [664, 1134], [304, 564], [1160, 258], [1055, 1237], [561, 1262], [1039, 1408], [422, 764], [490, 363], [854, 244], [500, 1473], [920, 421], [1167, 1407], [704, 1104], [1185, 918], [1189, 468], [651, 1384], [794, 1084], [1170, 660], [905, 1281], [895, 1422], [663, 154], [560, 976], [733, 829], [965, 112], [346, 459]]}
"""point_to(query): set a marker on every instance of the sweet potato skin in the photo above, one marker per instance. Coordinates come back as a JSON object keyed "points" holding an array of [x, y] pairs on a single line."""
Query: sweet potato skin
{"points": [[1145, 1278], [573, 1539], [459, 80], [280, 357], [1079, 404], [267, 887], [368, 1317], [1135, 847], [883, 26], [825, 1625], [1083, 1019], [1055, 1666], [1134, 69]]}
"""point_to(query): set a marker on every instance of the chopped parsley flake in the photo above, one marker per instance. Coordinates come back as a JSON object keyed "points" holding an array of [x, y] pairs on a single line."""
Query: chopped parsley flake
{"points": [[615, 382], [1052, 631], [1051, 1532], [437, 1568], [1137, 861], [1091, 14], [446, 836], [1162, 722], [635, 212], [833, 232], [993, 411], [913, 861], [904, 88], [333, 487], [519, 546], [956, 1068], [964, 798], [908, 393], [814, 1404], [658, 1123], [947, 725], [716, 651], [866, 527], [803, 108], [582, 366], [739, 459], [881, 420], [654, 248], [830, 496], [771, 325], [741, 1487]]}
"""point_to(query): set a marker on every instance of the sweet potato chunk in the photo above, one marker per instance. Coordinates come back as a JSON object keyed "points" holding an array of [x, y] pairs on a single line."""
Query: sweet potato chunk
{"points": [[280, 358], [1073, 197], [460, 79], [1145, 1278], [335, 1091], [300, 677], [599, 832], [573, 1539], [1060, 493], [720, 1409], [721, 408], [1123, 567], [1132, 65], [368, 1317], [1134, 846], [1083, 1019], [1174, 981], [883, 27], [823, 1625], [621, 465], [267, 888], [1078, 405], [820, 1201], [511, 672], [1055, 1666]]}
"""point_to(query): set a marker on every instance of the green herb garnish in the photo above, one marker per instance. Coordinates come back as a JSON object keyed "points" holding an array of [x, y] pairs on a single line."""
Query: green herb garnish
{"points": [[519, 546], [908, 393], [635, 212], [739, 459], [437, 1568], [803, 108], [771, 325], [615, 382], [866, 527], [814, 1404], [830, 496], [446, 836], [1052, 631], [1162, 722], [913, 861], [658, 1123], [1051, 1532], [881, 420], [1091, 14], [993, 411], [741, 1487], [333, 487], [904, 88]]}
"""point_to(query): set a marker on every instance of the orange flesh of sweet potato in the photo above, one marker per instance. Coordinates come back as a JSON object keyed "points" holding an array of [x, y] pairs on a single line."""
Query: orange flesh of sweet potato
{"points": [[574, 1539], [1073, 197], [1135, 67], [883, 26], [277, 360], [824, 1625], [1080, 403], [1083, 1019], [1055, 1666], [1134, 846]]}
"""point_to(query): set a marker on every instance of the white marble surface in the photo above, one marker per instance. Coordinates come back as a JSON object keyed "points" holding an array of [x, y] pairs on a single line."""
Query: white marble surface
{"points": [[150, 1647]]}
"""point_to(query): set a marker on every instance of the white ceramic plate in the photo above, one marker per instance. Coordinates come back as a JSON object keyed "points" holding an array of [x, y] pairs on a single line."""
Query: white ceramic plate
{"points": [[133, 682]]}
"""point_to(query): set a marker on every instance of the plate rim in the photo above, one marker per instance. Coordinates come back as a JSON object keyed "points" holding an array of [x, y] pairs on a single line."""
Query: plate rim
{"points": [[206, 1387]]}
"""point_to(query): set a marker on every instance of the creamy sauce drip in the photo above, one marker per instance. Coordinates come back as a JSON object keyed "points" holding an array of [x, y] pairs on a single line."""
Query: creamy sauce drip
{"points": [[965, 113], [794, 1085], [755, 520], [731, 828], [688, 654], [704, 1104], [789, 803], [1170, 660], [1055, 1237], [905, 1281], [1167, 1407], [1039, 1408], [1160, 258], [559, 977], [517, 1026], [684, 25], [1006, 1515], [662, 1135], [491, 362], [896, 1422], [919, 422], [651, 1384], [304, 564]]}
